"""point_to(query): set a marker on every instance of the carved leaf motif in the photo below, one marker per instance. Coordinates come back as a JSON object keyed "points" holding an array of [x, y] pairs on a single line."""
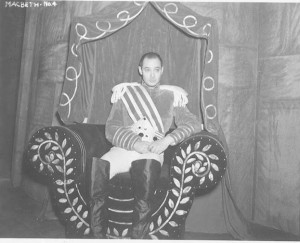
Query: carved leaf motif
{"points": [[56, 161], [48, 135], [184, 200], [51, 157], [175, 192], [188, 179], [68, 210], [59, 156], [187, 189], [215, 167], [34, 147], [62, 200], [59, 168], [73, 218], [187, 170], [69, 171], [153, 237], [35, 157], [166, 212], [171, 203], [75, 201], [176, 182], [64, 143], [191, 160], [41, 167], [54, 148], [116, 232], [125, 231], [202, 180], [197, 145], [79, 208], [108, 230], [188, 150], [47, 158], [159, 221], [163, 232], [207, 147], [179, 159], [56, 136], [177, 170], [79, 225], [59, 182], [183, 153], [68, 151], [210, 176], [213, 156], [202, 169], [151, 227], [50, 168], [60, 190], [200, 157], [69, 181], [173, 223], [71, 191], [69, 162], [47, 146], [181, 212], [85, 214], [87, 231], [39, 140]]}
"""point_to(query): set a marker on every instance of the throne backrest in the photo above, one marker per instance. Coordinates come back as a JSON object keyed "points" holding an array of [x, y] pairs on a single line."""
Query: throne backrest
{"points": [[105, 50]]}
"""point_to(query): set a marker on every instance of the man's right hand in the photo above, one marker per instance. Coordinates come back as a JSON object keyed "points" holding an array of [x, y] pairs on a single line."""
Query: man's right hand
{"points": [[141, 147]]}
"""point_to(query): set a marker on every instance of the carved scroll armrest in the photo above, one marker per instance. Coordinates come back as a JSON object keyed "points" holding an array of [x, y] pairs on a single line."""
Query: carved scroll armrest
{"points": [[198, 162], [59, 154]]}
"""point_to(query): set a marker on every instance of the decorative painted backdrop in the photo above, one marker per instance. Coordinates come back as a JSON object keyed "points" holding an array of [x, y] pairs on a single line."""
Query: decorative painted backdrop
{"points": [[258, 102]]}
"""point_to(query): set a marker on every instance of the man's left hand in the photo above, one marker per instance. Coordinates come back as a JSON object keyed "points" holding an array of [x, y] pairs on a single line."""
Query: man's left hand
{"points": [[160, 146]]}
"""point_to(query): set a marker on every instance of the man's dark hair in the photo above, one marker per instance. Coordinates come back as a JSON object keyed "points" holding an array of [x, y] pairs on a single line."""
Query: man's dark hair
{"points": [[150, 55]]}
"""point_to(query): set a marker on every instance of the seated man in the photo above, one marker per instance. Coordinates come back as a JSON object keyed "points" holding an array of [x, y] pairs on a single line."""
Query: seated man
{"points": [[139, 119]]}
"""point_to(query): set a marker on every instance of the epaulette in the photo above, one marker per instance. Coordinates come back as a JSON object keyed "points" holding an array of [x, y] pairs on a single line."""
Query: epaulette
{"points": [[119, 90], [180, 95]]}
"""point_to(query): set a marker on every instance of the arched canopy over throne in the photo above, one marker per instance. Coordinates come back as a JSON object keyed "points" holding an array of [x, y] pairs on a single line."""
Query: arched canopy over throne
{"points": [[104, 50]]}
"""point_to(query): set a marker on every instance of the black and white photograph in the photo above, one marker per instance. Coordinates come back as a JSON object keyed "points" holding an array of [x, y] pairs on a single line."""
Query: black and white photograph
{"points": [[150, 120]]}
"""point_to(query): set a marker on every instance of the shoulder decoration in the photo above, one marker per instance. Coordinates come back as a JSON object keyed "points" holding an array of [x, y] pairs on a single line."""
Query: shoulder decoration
{"points": [[180, 95], [119, 90]]}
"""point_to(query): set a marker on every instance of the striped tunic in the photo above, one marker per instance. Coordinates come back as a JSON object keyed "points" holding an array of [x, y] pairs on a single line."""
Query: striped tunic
{"points": [[119, 123]]}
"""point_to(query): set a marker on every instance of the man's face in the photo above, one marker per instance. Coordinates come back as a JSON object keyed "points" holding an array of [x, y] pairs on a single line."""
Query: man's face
{"points": [[151, 71]]}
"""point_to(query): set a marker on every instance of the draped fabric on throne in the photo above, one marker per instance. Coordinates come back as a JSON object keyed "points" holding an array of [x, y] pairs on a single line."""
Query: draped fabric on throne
{"points": [[104, 50]]}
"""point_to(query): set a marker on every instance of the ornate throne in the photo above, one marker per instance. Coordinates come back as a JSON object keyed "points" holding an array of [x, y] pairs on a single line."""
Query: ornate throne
{"points": [[63, 154]]}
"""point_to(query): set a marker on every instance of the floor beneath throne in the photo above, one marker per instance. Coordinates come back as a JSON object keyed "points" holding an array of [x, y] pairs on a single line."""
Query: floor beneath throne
{"points": [[18, 219]]}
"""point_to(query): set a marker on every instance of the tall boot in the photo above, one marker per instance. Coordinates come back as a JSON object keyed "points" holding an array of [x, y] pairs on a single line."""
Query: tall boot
{"points": [[98, 195], [145, 175]]}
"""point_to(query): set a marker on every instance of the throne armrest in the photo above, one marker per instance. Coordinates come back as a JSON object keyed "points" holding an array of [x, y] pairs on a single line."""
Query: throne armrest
{"points": [[200, 159], [198, 163], [62, 156]]}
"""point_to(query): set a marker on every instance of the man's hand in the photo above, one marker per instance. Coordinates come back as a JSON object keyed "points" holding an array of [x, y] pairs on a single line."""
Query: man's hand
{"points": [[160, 146], [141, 147]]}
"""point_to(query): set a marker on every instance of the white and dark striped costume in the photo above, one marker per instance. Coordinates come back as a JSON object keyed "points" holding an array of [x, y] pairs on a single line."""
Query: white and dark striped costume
{"points": [[132, 103]]}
